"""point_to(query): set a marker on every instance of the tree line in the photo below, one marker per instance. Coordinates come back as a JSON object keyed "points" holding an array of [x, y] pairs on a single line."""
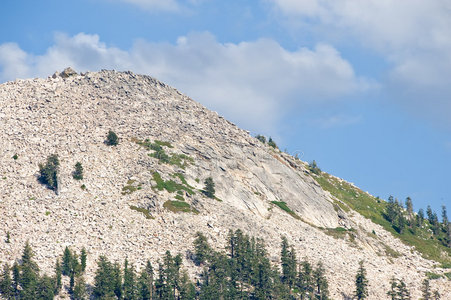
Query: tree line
{"points": [[243, 271]]}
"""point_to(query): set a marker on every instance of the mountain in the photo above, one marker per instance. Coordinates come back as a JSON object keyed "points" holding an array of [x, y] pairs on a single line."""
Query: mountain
{"points": [[144, 196]]}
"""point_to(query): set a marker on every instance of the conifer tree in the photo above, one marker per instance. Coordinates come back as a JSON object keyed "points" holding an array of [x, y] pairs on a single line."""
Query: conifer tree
{"points": [[129, 286], [29, 275], [67, 262], [201, 248], [209, 189], [361, 283], [187, 289], [409, 209], [48, 173], [58, 273], [79, 291], [392, 293], [112, 139], [6, 283], [426, 290], [83, 258], [16, 277], [289, 267], [78, 173], [104, 279], [117, 280], [322, 286], [45, 288], [146, 282], [305, 282], [403, 292]]}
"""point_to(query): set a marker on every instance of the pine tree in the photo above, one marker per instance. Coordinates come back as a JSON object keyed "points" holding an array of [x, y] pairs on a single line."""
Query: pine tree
{"points": [[104, 279], [289, 266], [6, 283], [322, 286], [16, 278], [112, 139], [29, 275], [129, 286], [392, 293], [361, 283], [403, 293], [67, 262], [79, 291], [83, 258], [117, 280], [209, 189], [78, 173], [146, 282], [426, 290], [48, 173], [271, 143], [444, 217], [45, 288], [409, 209], [420, 217], [201, 248], [187, 289], [58, 273], [305, 282]]}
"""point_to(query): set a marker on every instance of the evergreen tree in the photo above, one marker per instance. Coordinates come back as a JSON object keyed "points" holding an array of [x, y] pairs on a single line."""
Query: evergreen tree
{"points": [[146, 282], [117, 280], [391, 210], [444, 217], [29, 275], [288, 259], [201, 248], [6, 283], [112, 139], [16, 278], [271, 143], [402, 292], [409, 209], [321, 284], [83, 258], [45, 288], [71, 282], [361, 283], [429, 214], [129, 286], [261, 138], [305, 281], [313, 166], [420, 217], [392, 293], [104, 279], [187, 289], [67, 262], [79, 291], [209, 189], [48, 173], [58, 273], [78, 173], [426, 290]]}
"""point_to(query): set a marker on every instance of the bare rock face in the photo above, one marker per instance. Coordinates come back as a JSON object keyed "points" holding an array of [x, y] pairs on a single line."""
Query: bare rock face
{"points": [[70, 115]]}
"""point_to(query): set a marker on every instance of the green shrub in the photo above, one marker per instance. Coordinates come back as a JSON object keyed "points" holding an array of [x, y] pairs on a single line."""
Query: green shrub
{"points": [[272, 143], [78, 173], [209, 189], [48, 172], [112, 139], [144, 211], [15, 156], [283, 205], [178, 206], [261, 138]]}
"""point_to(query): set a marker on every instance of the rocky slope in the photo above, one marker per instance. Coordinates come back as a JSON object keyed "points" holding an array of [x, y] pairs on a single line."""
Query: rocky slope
{"points": [[70, 114]]}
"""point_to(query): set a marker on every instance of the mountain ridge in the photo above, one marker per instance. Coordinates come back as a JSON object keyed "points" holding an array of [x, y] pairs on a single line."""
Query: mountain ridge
{"points": [[71, 115]]}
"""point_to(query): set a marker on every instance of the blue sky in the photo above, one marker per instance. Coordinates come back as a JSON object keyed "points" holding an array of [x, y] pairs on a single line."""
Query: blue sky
{"points": [[362, 87]]}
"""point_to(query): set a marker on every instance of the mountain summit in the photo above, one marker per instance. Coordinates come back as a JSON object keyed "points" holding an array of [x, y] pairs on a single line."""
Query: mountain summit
{"points": [[145, 193]]}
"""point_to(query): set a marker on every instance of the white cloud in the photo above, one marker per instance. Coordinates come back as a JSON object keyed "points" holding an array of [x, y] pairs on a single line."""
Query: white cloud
{"points": [[253, 83], [155, 5], [414, 37]]}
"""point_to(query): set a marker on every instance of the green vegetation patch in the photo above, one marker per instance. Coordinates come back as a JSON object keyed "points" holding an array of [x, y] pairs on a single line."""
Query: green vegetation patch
{"points": [[170, 185], [130, 187], [179, 206], [338, 232], [374, 209], [433, 276], [284, 207], [448, 275], [144, 211], [180, 160]]}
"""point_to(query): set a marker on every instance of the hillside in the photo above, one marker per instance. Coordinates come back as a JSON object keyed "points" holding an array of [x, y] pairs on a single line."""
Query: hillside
{"points": [[144, 196]]}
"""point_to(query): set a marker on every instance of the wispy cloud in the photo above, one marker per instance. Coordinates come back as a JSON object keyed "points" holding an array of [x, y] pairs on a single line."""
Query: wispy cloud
{"points": [[253, 83], [413, 36], [336, 121]]}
